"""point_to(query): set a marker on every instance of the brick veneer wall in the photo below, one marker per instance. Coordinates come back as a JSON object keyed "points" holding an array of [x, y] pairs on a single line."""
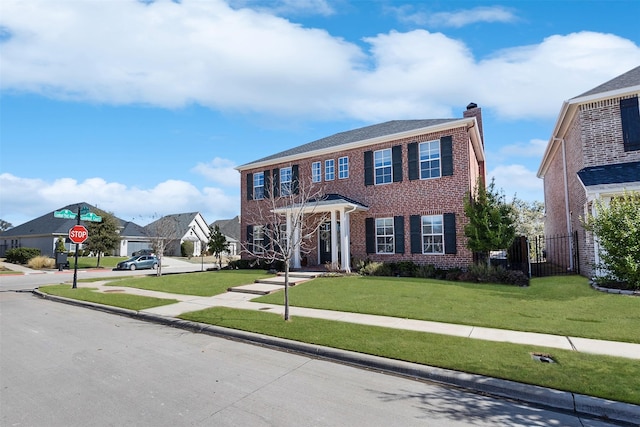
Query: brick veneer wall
{"points": [[419, 197], [593, 138]]}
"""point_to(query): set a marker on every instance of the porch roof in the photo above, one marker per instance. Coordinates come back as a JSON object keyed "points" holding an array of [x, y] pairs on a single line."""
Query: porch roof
{"points": [[616, 177], [326, 203]]}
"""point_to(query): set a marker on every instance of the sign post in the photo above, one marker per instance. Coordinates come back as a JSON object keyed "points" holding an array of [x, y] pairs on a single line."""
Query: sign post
{"points": [[78, 233]]}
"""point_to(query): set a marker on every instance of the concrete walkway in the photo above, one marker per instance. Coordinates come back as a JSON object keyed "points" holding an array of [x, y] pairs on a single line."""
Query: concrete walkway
{"points": [[241, 298]]}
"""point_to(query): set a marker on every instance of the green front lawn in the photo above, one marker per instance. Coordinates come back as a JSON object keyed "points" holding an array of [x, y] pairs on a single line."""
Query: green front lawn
{"points": [[132, 302], [92, 261], [559, 305], [601, 376], [204, 284]]}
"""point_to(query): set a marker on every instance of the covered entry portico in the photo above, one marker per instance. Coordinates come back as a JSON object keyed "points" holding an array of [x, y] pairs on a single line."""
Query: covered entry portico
{"points": [[338, 210]]}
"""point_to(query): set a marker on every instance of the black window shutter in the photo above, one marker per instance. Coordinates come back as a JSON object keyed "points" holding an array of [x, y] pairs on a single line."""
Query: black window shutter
{"points": [[368, 168], [250, 238], [396, 161], [414, 163], [266, 235], [276, 182], [370, 231], [630, 115], [446, 154], [398, 234], [415, 226], [449, 223], [249, 186], [267, 184], [295, 189]]}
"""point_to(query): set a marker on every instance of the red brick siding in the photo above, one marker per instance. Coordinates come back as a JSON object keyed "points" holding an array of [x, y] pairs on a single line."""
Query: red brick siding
{"points": [[419, 197]]}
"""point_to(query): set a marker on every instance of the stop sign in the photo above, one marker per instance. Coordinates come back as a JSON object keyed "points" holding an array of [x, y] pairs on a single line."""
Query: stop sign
{"points": [[78, 234]]}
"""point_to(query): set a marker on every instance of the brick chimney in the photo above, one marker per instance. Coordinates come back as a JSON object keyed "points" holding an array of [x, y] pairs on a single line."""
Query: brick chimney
{"points": [[474, 111]]}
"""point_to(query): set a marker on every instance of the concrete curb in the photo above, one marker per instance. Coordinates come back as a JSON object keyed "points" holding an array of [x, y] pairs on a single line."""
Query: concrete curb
{"points": [[580, 405]]}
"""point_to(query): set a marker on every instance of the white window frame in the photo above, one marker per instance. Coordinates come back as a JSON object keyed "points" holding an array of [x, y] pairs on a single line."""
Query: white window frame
{"points": [[429, 154], [258, 186], [258, 239], [432, 231], [383, 166], [286, 176], [343, 167], [385, 236], [316, 171], [329, 170]]}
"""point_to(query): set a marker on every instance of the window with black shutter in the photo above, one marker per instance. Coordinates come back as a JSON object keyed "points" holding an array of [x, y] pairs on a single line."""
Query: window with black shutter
{"points": [[446, 153], [368, 168], [370, 232], [396, 156], [630, 115], [249, 186], [414, 163], [449, 220], [398, 231]]}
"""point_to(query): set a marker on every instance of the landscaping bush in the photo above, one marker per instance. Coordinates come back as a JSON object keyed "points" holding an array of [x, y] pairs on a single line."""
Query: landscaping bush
{"points": [[21, 255], [255, 264], [40, 262], [427, 271], [482, 273]]}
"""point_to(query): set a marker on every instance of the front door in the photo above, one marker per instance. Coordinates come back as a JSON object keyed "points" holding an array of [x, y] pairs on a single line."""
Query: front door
{"points": [[325, 243]]}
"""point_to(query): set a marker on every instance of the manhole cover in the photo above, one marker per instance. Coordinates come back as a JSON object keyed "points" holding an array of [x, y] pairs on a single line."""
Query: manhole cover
{"points": [[544, 358]]}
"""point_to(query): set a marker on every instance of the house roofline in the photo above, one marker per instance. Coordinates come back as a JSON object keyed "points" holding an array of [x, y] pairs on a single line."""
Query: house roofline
{"points": [[468, 122], [567, 113]]}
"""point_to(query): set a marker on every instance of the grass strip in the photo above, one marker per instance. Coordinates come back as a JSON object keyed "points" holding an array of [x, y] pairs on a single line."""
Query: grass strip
{"points": [[601, 376], [122, 300], [203, 284], [560, 305]]}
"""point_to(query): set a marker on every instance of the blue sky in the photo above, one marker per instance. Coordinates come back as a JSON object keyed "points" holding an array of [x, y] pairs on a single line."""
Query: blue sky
{"points": [[144, 108]]}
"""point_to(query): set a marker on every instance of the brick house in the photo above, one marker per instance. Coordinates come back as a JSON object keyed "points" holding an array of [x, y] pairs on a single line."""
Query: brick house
{"points": [[391, 192], [593, 154]]}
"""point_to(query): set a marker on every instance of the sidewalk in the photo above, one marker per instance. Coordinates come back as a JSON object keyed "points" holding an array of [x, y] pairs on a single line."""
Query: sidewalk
{"points": [[581, 405], [241, 300]]}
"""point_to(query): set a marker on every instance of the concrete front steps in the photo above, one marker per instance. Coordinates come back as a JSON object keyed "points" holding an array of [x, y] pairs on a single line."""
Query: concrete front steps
{"points": [[274, 284]]}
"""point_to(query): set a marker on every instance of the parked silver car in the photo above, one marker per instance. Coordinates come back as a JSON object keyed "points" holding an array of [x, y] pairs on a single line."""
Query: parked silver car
{"points": [[139, 262]]}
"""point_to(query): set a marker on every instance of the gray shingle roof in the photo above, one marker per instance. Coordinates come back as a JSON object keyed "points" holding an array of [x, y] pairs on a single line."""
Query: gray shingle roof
{"points": [[628, 79], [229, 227], [47, 224], [355, 135], [610, 174], [179, 222]]}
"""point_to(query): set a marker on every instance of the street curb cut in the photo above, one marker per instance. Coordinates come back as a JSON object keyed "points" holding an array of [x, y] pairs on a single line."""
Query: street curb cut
{"points": [[578, 404]]}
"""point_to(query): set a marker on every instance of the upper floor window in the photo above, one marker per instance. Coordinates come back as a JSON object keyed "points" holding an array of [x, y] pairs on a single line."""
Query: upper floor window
{"points": [[382, 166], [630, 116], [429, 159], [384, 236], [432, 234], [258, 185], [285, 181], [343, 167], [329, 170], [316, 171]]}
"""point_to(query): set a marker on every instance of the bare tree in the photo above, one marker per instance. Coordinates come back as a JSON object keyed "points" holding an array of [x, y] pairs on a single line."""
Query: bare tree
{"points": [[283, 224], [163, 233]]}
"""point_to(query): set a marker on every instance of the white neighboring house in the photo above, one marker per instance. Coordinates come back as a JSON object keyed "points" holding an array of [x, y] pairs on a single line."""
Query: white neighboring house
{"points": [[230, 228], [180, 228]]}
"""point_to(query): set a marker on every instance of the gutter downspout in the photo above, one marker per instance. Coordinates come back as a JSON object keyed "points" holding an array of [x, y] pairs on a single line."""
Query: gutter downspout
{"points": [[566, 199]]}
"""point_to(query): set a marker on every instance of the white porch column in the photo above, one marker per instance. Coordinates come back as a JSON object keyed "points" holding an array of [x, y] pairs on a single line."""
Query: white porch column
{"points": [[345, 261], [294, 241], [334, 238]]}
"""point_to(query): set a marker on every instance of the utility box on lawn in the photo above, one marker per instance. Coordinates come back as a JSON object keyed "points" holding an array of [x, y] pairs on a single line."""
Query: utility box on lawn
{"points": [[61, 260]]}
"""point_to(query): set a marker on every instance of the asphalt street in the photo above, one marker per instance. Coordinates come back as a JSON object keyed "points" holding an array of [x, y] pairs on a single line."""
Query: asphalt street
{"points": [[63, 365]]}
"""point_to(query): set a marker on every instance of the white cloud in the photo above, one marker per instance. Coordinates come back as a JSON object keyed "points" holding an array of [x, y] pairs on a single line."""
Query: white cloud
{"points": [[220, 171], [22, 196], [288, 7], [456, 19], [517, 180], [171, 54]]}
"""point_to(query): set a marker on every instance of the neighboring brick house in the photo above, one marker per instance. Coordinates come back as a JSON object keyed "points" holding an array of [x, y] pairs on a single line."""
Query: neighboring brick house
{"points": [[393, 191], [593, 154]]}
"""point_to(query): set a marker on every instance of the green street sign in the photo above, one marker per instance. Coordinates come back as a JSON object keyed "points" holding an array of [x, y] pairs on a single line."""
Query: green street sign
{"points": [[91, 217], [65, 214], [84, 210]]}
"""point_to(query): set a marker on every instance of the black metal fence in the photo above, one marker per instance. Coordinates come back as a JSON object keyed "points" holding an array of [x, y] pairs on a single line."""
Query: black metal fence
{"points": [[540, 256]]}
